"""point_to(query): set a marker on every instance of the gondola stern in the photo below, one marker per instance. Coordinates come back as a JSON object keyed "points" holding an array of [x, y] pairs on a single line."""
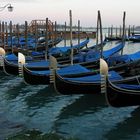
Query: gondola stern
{"points": [[103, 67], [2, 51]]}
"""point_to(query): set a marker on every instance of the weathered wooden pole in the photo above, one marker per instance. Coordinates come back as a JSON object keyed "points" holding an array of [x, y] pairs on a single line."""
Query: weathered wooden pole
{"points": [[101, 33], [111, 31], [133, 28], [123, 35], [6, 36], [116, 31], [0, 31], [18, 33], [120, 31], [129, 32], [3, 30], [26, 35], [55, 32], [79, 33], [46, 40], [65, 33], [11, 36], [97, 31], [36, 35], [70, 14], [108, 31], [3, 35], [52, 34]]}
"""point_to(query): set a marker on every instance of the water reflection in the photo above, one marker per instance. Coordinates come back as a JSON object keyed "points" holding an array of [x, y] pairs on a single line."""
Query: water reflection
{"points": [[84, 116], [126, 129], [84, 104], [42, 97], [79, 116], [14, 91]]}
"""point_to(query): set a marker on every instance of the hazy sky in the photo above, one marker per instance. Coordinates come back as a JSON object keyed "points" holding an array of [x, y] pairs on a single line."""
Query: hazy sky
{"points": [[83, 10]]}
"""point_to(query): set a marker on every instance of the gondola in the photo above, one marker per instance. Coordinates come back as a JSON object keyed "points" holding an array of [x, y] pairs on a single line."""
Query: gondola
{"points": [[51, 43], [35, 77], [30, 74], [35, 65], [59, 51], [43, 77], [63, 51], [30, 44], [90, 83], [135, 37], [87, 84], [128, 65], [120, 95], [116, 38], [113, 38]]}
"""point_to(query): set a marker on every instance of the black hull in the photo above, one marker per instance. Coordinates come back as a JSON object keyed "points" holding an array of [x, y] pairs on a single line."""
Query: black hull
{"points": [[35, 79], [113, 39], [41, 48], [74, 87], [1, 68], [134, 40], [127, 69], [67, 87], [119, 97], [10, 68]]}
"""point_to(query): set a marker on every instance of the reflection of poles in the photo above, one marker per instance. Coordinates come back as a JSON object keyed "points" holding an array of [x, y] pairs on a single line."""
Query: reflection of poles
{"points": [[70, 14]]}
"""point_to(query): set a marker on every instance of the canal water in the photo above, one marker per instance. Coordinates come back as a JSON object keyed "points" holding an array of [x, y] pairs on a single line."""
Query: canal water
{"points": [[83, 117]]}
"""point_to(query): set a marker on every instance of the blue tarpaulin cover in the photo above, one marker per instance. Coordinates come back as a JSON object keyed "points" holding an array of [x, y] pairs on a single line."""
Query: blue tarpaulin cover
{"points": [[112, 51], [95, 78], [72, 69], [65, 49], [127, 86]]}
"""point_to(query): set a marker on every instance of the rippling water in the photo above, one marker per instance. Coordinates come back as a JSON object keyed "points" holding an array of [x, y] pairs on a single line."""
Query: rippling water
{"points": [[86, 117]]}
